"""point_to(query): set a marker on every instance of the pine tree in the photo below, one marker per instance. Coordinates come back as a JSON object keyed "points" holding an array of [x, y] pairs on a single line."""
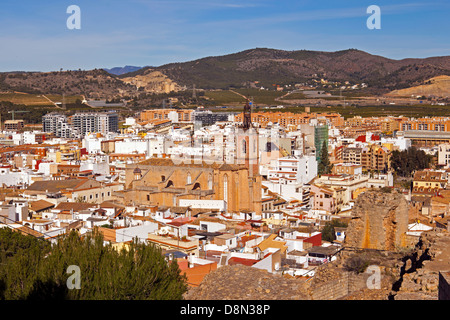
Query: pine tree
{"points": [[324, 166], [33, 269]]}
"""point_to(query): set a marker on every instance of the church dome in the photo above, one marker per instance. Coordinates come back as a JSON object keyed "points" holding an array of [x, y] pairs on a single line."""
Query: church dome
{"points": [[137, 171]]}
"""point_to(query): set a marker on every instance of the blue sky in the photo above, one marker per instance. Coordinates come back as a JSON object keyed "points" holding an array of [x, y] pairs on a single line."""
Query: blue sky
{"points": [[34, 35]]}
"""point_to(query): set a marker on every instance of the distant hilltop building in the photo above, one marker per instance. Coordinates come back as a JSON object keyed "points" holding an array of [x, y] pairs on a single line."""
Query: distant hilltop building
{"points": [[80, 123]]}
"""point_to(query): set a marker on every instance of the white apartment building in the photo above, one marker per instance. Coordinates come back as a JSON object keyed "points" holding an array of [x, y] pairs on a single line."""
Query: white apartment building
{"points": [[288, 176], [444, 154], [293, 170]]}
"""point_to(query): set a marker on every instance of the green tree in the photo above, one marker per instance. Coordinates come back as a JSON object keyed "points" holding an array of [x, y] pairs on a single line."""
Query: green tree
{"points": [[328, 231], [324, 165], [34, 269], [19, 257], [407, 161]]}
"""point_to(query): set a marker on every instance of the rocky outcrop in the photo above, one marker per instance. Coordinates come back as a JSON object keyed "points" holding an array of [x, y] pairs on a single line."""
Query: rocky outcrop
{"points": [[239, 282], [419, 276], [379, 221], [409, 269]]}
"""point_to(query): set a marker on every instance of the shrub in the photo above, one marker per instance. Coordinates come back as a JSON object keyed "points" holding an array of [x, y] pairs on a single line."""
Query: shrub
{"points": [[356, 264]]}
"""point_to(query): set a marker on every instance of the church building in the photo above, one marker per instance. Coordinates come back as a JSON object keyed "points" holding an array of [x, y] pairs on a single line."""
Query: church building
{"points": [[163, 182]]}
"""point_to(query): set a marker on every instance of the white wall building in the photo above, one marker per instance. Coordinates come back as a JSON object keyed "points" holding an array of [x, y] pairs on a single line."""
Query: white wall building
{"points": [[444, 154], [293, 170]]}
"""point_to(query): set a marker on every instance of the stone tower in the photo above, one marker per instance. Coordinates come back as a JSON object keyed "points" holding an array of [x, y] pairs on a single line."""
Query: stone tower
{"points": [[379, 221], [247, 153]]}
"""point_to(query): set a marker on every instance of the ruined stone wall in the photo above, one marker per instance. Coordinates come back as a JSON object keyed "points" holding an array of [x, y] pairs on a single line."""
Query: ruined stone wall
{"points": [[444, 286], [420, 277], [379, 221], [332, 283], [331, 290]]}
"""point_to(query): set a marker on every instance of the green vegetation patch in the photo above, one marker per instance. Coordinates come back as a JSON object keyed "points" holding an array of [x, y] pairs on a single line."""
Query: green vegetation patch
{"points": [[224, 97], [267, 97], [84, 268]]}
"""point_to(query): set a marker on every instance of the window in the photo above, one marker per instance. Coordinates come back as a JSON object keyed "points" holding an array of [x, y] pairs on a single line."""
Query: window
{"points": [[189, 179], [210, 182], [196, 186], [225, 188]]}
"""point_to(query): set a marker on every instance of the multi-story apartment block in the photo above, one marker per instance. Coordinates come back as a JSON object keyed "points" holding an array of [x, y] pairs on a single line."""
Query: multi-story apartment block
{"points": [[373, 157], [207, 118], [13, 125], [376, 157], [289, 118], [426, 124], [175, 115], [352, 155], [293, 170], [58, 125], [103, 122], [80, 123], [444, 154]]}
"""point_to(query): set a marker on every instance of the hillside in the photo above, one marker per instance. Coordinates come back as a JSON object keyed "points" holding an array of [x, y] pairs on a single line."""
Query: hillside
{"points": [[271, 66], [92, 84], [258, 67], [438, 86], [152, 81]]}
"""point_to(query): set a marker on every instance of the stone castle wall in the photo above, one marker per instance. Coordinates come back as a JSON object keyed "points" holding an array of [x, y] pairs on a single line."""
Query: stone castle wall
{"points": [[379, 221]]}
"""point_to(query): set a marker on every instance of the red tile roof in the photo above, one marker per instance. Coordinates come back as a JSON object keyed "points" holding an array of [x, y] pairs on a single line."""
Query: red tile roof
{"points": [[245, 262]]}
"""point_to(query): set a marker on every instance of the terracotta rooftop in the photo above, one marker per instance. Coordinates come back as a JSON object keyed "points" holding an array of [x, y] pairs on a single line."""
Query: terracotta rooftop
{"points": [[76, 206], [40, 205], [169, 162], [55, 185]]}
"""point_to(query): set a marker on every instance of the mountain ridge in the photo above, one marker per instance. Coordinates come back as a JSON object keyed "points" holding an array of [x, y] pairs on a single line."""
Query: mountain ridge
{"points": [[265, 66], [122, 70], [270, 66]]}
